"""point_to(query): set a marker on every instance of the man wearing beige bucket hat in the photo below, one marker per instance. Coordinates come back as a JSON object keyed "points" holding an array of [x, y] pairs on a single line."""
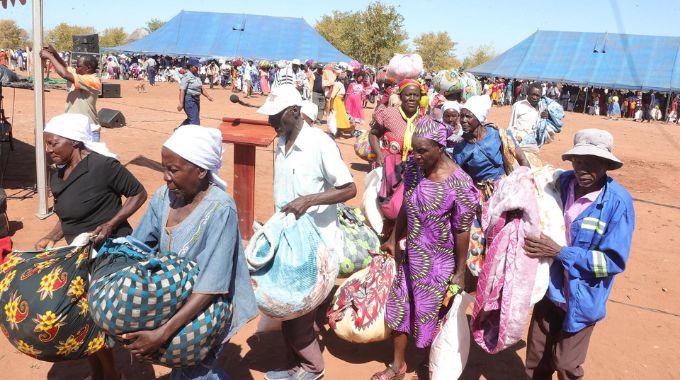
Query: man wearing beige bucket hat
{"points": [[599, 220]]}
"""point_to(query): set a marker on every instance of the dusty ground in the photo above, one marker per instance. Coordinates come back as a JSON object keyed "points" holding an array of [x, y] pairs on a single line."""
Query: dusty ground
{"points": [[639, 339]]}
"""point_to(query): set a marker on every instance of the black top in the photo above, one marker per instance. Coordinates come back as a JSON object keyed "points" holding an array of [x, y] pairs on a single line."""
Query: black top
{"points": [[90, 196], [318, 83]]}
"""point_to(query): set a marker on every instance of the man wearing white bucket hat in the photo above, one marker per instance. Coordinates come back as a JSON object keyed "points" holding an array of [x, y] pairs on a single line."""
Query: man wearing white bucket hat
{"points": [[600, 220], [309, 178]]}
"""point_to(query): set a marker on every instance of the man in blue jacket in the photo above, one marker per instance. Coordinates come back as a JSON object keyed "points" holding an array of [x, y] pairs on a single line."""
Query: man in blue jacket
{"points": [[599, 220]]}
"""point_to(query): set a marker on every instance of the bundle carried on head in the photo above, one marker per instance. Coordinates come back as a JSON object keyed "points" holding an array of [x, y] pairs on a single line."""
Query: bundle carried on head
{"points": [[405, 66]]}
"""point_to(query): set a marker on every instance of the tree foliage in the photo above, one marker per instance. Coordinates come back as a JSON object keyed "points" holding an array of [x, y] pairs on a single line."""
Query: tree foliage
{"points": [[12, 36], [111, 37], [477, 56], [371, 36], [61, 37], [153, 24], [437, 51]]}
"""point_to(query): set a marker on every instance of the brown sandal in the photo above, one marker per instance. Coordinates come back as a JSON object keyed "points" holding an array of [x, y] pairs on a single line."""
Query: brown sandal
{"points": [[390, 373]]}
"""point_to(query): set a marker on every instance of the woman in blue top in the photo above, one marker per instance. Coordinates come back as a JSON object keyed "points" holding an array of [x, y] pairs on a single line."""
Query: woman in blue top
{"points": [[486, 153], [193, 216]]}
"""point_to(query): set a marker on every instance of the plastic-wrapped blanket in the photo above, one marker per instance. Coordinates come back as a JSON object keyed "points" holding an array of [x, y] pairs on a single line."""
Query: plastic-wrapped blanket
{"points": [[292, 271], [44, 298], [357, 313], [134, 288], [552, 222], [507, 280], [547, 128]]}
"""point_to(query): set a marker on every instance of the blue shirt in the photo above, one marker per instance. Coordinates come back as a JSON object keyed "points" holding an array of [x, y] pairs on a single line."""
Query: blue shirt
{"points": [[210, 236], [482, 160]]}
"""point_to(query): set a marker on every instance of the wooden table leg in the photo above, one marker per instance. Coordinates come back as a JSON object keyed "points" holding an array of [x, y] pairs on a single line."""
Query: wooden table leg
{"points": [[244, 187]]}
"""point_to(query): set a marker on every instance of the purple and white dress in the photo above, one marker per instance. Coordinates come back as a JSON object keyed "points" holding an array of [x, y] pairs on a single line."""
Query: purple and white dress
{"points": [[435, 211]]}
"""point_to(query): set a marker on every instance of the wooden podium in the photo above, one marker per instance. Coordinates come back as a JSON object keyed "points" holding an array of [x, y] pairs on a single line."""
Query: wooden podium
{"points": [[246, 135]]}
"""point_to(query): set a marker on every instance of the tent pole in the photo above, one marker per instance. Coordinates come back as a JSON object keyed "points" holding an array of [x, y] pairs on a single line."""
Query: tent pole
{"points": [[585, 102], [39, 97], [668, 104]]}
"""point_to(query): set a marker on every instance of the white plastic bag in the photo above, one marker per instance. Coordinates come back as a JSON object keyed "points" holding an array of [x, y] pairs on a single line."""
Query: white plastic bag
{"points": [[332, 122], [451, 344], [369, 203]]}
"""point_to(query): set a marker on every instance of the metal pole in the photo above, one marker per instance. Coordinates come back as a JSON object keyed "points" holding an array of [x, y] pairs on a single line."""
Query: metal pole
{"points": [[40, 164], [585, 102]]}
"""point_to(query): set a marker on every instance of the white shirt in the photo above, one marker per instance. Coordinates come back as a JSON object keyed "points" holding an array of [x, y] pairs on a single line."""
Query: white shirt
{"points": [[311, 166], [523, 120]]}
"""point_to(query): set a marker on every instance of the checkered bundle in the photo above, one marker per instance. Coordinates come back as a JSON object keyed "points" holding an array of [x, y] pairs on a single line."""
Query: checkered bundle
{"points": [[147, 293]]}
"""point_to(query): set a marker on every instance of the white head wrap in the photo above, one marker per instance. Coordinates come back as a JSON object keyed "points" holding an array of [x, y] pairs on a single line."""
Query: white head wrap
{"points": [[201, 146], [77, 127], [309, 109], [451, 105], [479, 105]]}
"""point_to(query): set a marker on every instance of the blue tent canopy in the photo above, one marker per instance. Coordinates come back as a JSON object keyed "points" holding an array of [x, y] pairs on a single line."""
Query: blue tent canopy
{"points": [[617, 61], [207, 34]]}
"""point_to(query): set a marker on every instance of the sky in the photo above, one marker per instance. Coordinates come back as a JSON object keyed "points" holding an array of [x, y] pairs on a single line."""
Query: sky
{"points": [[470, 23]]}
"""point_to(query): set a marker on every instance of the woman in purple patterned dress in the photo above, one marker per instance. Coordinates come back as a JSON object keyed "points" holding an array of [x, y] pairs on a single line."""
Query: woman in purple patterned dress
{"points": [[440, 200]]}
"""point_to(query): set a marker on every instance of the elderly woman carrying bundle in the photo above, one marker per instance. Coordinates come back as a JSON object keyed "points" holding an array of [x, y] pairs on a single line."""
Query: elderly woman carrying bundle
{"points": [[193, 216], [487, 153]]}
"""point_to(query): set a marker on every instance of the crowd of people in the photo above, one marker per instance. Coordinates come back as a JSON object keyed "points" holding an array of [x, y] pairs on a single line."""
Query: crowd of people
{"points": [[443, 161]]}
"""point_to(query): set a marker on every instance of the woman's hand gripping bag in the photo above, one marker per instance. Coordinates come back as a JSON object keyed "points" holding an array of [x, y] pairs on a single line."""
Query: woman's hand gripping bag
{"points": [[294, 270], [357, 313], [43, 299], [451, 344], [135, 288]]}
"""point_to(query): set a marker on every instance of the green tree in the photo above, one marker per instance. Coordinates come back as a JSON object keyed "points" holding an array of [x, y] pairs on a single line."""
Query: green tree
{"points": [[371, 36], [437, 51], [153, 24], [12, 35], [61, 37], [111, 37], [477, 56]]}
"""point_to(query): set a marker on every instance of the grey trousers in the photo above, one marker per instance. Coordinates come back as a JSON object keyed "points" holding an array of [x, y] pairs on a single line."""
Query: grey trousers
{"points": [[320, 101], [303, 345]]}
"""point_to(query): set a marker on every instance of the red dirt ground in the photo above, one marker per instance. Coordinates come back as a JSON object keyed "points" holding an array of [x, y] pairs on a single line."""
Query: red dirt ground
{"points": [[639, 339]]}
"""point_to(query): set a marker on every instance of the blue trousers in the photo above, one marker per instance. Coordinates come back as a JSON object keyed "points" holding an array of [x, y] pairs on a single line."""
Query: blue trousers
{"points": [[192, 107], [151, 73]]}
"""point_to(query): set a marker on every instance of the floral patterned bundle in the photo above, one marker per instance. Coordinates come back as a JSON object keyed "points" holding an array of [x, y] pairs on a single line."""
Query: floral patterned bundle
{"points": [[43, 295]]}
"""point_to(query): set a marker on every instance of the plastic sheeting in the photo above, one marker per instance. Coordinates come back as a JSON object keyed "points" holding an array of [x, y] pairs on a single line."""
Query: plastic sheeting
{"points": [[618, 61], [207, 34]]}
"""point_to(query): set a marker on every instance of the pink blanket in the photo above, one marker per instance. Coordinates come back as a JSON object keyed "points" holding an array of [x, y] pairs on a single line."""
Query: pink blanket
{"points": [[507, 279]]}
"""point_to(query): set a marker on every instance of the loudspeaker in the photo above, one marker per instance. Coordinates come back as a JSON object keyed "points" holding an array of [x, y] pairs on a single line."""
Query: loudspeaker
{"points": [[86, 43], [110, 90], [110, 118]]}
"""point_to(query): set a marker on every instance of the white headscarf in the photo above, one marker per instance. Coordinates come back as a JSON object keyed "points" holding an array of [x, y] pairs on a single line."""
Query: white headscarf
{"points": [[310, 109], [479, 105], [201, 146], [451, 105], [77, 127]]}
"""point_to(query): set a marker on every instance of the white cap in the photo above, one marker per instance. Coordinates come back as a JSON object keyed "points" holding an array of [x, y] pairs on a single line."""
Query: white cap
{"points": [[281, 97], [295, 62]]}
